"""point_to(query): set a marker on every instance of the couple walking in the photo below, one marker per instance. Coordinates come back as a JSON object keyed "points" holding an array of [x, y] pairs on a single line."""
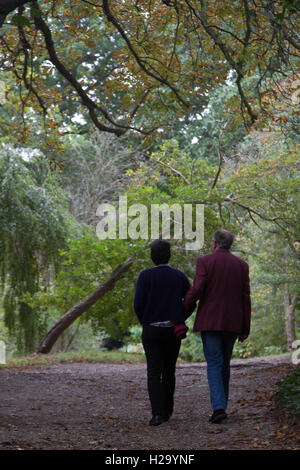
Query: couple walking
{"points": [[164, 299]]}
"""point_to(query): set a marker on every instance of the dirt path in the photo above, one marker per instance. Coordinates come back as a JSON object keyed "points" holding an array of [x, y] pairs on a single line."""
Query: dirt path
{"points": [[105, 406]]}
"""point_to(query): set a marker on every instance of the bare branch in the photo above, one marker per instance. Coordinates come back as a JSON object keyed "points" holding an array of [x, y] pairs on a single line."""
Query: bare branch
{"points": [[220, 155]]}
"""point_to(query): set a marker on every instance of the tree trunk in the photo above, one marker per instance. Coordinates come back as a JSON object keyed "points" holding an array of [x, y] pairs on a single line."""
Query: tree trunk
{"points": [[289, 314], [81, 307]]}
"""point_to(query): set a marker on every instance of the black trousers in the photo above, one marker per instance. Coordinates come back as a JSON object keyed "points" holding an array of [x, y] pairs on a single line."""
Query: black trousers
{"points": [[161, 349]]}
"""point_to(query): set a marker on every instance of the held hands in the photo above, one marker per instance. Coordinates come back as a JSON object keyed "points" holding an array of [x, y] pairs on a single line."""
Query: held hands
{"points": [[242, 338]]}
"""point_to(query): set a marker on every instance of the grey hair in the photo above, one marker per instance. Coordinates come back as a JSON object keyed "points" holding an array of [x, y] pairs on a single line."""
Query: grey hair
{"points": [[223, 238]]}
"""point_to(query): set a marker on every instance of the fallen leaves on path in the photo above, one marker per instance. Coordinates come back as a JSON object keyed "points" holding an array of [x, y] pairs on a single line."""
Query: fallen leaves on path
{"points": [[105, 406]]}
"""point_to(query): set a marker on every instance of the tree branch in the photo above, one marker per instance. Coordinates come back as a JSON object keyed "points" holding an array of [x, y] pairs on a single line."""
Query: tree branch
{"points": [[253, 211], [7, 6], [220, 157], [178, 173], [202, 17], [86, 100], [138, 59]]}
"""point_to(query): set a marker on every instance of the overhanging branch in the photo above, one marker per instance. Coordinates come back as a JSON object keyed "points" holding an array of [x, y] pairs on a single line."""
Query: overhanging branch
{"points": [[8, 6], [110, 17], [92, 107]]}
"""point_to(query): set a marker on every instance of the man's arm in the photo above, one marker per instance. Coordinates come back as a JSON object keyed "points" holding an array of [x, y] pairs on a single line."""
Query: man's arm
{"points": [[186, 285], [140, 297], [246, 305], [196, 290]]}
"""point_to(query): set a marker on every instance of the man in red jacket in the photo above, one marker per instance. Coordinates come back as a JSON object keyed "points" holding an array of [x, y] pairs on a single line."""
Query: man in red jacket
{"points": [[222, 285]]}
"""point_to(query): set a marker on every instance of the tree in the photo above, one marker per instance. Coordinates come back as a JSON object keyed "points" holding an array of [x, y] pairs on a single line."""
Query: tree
{"points": [[95, 171], [71, 315], [33, 228], [87, 261], [275, 280], [289, 314], [249, 189], [203, 44], [261, 193], [264, 197]]}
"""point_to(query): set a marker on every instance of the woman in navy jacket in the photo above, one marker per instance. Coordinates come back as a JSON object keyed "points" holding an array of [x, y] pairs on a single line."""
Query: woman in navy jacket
{"points": [[158, 305]]}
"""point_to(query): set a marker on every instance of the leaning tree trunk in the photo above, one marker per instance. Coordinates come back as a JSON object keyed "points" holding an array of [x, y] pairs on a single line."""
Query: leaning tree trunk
{"points": [[289, 313], [70, 316]]}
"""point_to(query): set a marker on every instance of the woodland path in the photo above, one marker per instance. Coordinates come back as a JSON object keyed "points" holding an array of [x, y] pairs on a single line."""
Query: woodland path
{"points": [[105, 406]]}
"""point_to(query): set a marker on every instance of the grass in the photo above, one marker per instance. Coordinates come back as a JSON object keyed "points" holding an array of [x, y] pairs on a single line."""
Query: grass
{"points": [[44, 360], [93, 356]]}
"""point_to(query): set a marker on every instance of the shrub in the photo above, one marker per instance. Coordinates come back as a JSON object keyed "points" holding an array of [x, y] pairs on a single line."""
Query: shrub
{"points": [[288, 393]]}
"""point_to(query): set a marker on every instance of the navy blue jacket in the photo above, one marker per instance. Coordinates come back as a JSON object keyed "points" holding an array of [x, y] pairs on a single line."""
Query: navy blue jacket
{"points": [[159, 294]]}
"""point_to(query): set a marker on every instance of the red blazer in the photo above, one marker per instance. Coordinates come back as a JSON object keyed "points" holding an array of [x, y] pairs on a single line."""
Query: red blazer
{"points": [[223, 287]]}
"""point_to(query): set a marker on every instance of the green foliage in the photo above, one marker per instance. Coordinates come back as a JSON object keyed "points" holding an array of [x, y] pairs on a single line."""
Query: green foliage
{"points": [[141, 64], [33, 226], [191, 348], [265, 197], [222, 70], [172, 176], [210, 128], [20, 20], [259, 342], [134, 334], [288, 392], [85, 263]]}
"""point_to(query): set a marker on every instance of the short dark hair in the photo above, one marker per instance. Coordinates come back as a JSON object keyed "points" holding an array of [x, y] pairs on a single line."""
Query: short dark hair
{"points": [[223, 238], [160, 251]]}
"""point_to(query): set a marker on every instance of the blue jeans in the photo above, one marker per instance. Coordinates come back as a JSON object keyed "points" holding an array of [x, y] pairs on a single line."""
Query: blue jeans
{"points": [[217, 347]]}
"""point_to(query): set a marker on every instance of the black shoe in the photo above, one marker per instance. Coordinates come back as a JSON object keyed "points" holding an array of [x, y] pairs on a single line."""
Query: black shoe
{"points": [[218, 416], [156, 420]]}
